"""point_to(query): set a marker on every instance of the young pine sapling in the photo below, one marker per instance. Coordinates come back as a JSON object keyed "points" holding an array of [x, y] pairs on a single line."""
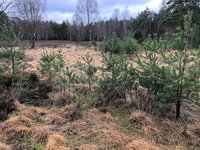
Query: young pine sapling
{"points": [[86, 71]]}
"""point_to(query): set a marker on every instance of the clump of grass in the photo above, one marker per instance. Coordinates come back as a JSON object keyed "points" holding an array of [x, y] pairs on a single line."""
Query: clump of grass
{"points": [[123, 120]]}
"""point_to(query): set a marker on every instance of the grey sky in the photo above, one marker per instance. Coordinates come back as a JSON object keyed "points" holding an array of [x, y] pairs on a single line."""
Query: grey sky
{"points": [[59, 10]]}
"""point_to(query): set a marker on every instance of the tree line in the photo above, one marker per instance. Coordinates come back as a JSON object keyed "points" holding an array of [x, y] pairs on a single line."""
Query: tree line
{"points": [[86, 25]]}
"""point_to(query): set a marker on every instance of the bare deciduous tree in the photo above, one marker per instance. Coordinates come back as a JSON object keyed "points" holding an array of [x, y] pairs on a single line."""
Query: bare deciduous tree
{"points": [[116, 17], [78, 24], [88, 10], [116, 14], [125, 17], [4, 4], [31, 11]]}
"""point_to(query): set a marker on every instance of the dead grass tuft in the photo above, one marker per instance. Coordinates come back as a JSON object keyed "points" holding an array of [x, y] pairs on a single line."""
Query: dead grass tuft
{"points": [[181, 148], [151, 131], [17, 120], [19, 106], [141, 145], [112, 139], [53, 119], [15, 126], [57, 142], [88, 147], [41, 134], [94, 116], [171, 131], [194, 131], [67, 110], [2, 137], [33, 113], [4, 147], [140, 119], [18, 132]]}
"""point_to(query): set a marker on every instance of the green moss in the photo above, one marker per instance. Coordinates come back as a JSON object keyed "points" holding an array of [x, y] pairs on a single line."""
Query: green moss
{"points": [[123, 120], [28, 144], [73, 139], [39, 147]]}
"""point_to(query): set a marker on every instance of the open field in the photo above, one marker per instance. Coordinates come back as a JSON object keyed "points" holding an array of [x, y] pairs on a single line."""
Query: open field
{"points": [[98, 75], [53, 128], [71, 52]]}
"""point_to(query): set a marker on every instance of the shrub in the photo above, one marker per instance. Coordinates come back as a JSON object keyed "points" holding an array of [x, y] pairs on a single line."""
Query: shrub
{"points": [[152, 75], [6, 104], [171, 77], [86, 72], [51, 64], [117, 77], [9, 40], [67, 80], [112, 44], [130, 45], [90, 100], [35, 92], [116, 46]]}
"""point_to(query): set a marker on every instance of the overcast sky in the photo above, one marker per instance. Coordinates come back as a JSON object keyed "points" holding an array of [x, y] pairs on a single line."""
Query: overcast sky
{"points": [[59, 10]]}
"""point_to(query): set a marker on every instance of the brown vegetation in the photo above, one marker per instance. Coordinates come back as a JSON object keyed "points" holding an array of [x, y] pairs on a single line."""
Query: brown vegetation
{"points": [[54, 128]]}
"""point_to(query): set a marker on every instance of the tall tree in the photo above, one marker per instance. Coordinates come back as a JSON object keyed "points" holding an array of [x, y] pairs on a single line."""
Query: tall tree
{"points": [[143, 24], [4, 4], [31, 11], [78, 26], [125, 17], [176, 9], [115, 19], [88, 10]]}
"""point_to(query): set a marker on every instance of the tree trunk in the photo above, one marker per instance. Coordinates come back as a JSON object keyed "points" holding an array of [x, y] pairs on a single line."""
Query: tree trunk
{"points": [[13, 62], [90, 33], [33, 41], [178, 107], [70, 37]]}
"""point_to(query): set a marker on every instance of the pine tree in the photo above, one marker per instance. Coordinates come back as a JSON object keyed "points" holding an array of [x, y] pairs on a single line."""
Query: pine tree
{"points": [[9, 41]]}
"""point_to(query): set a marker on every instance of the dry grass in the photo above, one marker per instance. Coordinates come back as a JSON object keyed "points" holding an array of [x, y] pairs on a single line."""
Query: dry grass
{"points": [[15, 121], [33, 113], [140, 119], [91, 115], [194, 131], [41, 134], [180, 148], [52, 119], [4, 147], [57, 142], [113, 139], [88, 147], [71, 55], [19, 132], [95, 130], [141, 145]]}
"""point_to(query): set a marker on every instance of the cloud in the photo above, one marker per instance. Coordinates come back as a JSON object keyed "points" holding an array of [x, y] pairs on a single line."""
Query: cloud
{"points": [[59, 16], [61, 6], [60, 10]]}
